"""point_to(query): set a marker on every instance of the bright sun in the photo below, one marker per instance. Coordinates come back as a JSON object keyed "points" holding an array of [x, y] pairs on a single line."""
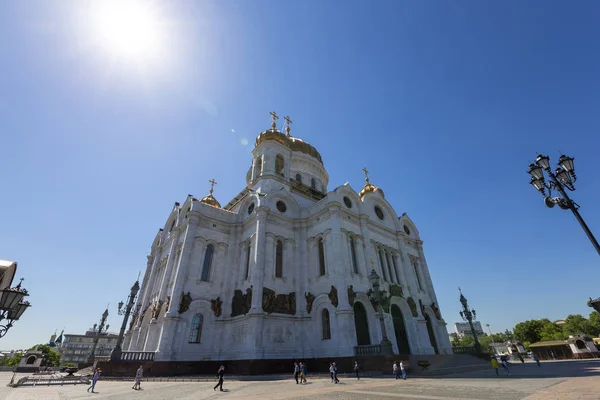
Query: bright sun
{"points": [[128, 29]]}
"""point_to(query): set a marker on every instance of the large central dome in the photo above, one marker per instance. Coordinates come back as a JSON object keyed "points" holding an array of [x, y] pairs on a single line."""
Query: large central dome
{"points": [[292, 143]]}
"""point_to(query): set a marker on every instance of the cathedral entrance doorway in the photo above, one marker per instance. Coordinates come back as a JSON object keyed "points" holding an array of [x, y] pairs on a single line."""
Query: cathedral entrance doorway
{"points": [[400, 330], [361, 324], [431, 334]]}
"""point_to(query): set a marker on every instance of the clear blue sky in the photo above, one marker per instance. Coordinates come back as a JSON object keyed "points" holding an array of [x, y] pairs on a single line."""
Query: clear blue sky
{"points": [[445, 103]]}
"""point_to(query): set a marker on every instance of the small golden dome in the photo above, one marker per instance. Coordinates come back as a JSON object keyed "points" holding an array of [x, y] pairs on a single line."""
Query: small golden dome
{"points": [[369, 187], [210, 199], [290, 142]]}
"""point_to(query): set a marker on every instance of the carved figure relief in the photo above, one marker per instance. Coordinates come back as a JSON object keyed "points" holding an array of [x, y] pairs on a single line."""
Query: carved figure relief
{"points": [[278, 303], [156, 309], [186, 300], [436, 311], [310, 298], [215, 306], [351, 295], [241, 303], [413, 307], [168, 304], [396, 290], [133, 321], [333, 296], [422, 308]]}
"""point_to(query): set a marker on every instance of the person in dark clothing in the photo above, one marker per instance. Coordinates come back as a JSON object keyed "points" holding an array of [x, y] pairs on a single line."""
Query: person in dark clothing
{"points": [[296, 371], [356, 369], [220, 374]]}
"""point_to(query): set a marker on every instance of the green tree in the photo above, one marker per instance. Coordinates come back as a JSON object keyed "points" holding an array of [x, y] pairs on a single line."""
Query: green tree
{"points": [[575, 323], [530, 331], [14, 360], [551, 331], [51, 356], [594, 324]]}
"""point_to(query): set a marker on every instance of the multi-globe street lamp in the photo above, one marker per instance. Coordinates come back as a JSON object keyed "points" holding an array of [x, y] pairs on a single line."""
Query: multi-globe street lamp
{"points": [[117, 351], [563, 177], [386, 345], [469, 315], [12, 305]]}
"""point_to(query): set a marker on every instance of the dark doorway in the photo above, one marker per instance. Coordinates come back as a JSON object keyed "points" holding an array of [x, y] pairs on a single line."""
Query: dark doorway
{"points": [[31, 360], [400, 330], [362, 325], [431, 334]]}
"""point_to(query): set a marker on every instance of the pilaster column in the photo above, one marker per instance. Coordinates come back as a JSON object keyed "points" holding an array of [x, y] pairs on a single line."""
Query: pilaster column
{"points": [[361, 258], [257, 267], [411, 283], [369, 248], [182, 266], [425, 272]]}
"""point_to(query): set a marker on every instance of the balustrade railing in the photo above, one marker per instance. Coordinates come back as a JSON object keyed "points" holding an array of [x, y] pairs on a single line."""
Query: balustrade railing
{"points": [[135, 356], [464, 350], [367, 350]]}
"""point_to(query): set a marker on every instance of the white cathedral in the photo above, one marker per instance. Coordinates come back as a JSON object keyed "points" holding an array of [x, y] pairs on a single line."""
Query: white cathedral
{"points": [[282, 270]]}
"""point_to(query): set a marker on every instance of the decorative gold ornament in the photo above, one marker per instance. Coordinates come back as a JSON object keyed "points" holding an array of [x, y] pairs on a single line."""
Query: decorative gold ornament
{"points": [[210, 199], [369, 187]]}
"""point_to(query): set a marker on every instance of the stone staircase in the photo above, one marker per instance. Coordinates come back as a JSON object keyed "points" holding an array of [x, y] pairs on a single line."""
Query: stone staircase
{"points": [[445, 364]]}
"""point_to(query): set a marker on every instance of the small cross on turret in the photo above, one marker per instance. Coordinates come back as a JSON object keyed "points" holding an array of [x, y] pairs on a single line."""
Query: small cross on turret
{"points": [[288, 122], [212, 185], [366, 174], [274, 118]]}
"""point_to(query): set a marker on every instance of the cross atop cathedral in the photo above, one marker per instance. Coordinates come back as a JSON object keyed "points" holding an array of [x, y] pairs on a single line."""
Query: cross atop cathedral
{"points": [[212, 184], [366, 175], [288, 122], [274, 118]]}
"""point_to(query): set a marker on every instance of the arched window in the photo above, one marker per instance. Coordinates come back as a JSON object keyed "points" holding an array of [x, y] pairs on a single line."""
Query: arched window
{"points": [[321, 257], [313, 183], [326, 325], [580, 345], [196, 331], [258, 167], [353, 255], [279, 166], [279, 259], [299, 178], [208, 256], [391, 270], [248, 250], [382, 263], [396, 267], [416, 269]]}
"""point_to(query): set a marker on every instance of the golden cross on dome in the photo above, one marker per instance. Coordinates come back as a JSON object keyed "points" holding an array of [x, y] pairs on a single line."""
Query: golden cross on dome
{"points": [[274, 118], [212, 185], [288, 122], [366, 174]]}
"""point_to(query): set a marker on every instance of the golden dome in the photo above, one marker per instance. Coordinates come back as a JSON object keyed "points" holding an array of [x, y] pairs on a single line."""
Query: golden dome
{"points": [[294, 144], [210, 199], [369, 187]]}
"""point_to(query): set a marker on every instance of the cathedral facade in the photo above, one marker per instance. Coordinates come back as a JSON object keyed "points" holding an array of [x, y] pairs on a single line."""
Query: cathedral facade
{"points": [[282, 270]]}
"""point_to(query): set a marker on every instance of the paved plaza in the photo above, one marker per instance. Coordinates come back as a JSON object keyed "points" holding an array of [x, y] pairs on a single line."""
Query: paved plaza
{"points": [[563, 380]]}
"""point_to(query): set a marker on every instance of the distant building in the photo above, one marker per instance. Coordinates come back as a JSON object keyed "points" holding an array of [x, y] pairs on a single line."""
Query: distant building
{"points": [[77, 348], [463, 328]]}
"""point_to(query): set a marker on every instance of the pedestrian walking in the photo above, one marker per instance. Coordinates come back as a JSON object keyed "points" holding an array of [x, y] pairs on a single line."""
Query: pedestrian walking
{"points": [[402, 370], [395, 370], [495, 364], [138, 378], [335, 371], [220, 374], [303, 372], [536, 359], [296, 371], [504, 364], [356, 369], [331, 371], [95, 378]]}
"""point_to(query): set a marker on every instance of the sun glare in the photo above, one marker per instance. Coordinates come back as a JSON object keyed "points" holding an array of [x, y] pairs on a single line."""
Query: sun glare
{"points": [[128, 29]]}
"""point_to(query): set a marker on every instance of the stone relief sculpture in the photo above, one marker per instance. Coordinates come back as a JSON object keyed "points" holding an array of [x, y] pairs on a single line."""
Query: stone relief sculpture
{"points": [[133, 321], [310, 298], [396, 290], [168, 304], [436, 311], [333, 296], [186, 300], [422, 306], [241, 303], [156, 309], [278, 303], [413, 307], [215, 306], [351, 295]]}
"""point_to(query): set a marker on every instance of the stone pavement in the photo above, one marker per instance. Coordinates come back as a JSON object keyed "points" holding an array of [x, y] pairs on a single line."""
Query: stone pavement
{"points": [[564, 380]]}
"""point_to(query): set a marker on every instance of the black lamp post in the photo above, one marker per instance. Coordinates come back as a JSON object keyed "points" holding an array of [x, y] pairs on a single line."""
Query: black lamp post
{"points": [[99, 331], [386, 345], [12, 306], [469, 315], [116, 353], [563, 177]]}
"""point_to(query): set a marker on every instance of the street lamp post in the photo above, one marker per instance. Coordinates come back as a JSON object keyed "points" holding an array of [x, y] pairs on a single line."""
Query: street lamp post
{"points": [[116, 353], [99, 332], [386, 345], [492, 337], [564, 177], [469, 315], [12, 306]]}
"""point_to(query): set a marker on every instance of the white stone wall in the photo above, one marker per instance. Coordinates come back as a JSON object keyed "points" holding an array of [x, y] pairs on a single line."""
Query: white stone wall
{"points": [[177, 257]]}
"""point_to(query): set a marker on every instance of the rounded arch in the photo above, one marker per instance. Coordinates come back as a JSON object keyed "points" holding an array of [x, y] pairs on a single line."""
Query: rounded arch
{"points": [[31, 360], [348, 191], [361, 324], [400, 330], [405, 220], [293, 208], [370, 200]]}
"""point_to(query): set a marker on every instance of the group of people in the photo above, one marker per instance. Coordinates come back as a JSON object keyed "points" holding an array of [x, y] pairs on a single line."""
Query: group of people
{"points": [[300, 372], [137, 383], [504, 362]]}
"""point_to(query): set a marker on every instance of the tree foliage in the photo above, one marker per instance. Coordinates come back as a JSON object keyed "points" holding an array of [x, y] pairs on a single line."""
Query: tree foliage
{"points": [[51, 356], [538, 330]]}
